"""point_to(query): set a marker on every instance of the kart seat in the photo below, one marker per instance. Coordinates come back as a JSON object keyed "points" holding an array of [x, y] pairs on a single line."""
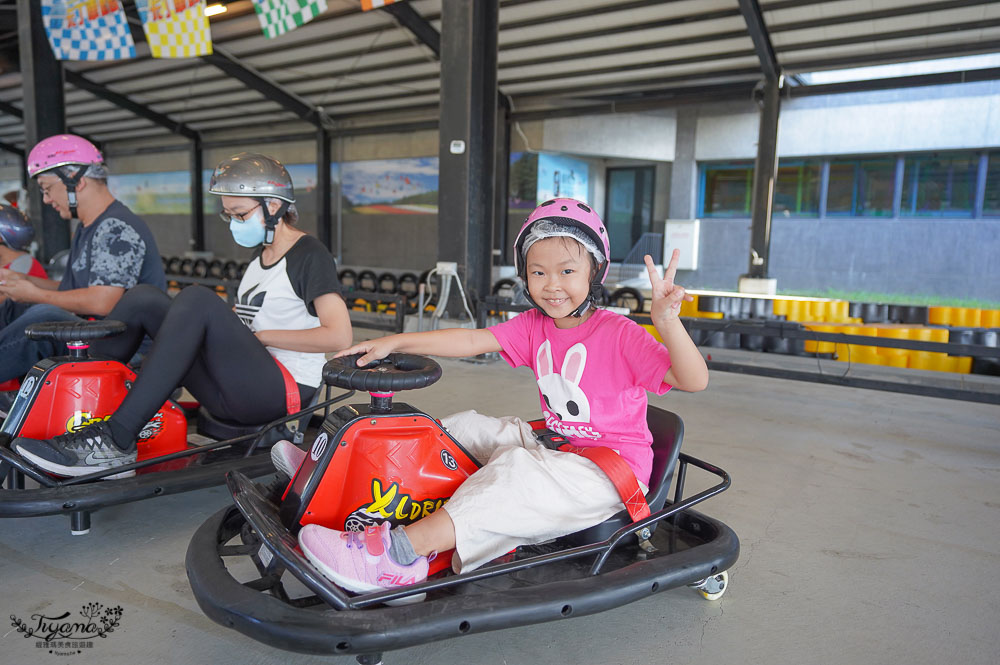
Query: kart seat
{"points": [[668, 433], [221, 429]]}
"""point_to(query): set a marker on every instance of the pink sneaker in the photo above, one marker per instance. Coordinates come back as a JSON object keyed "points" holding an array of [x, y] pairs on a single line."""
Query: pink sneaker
{"points": [[287, 457], [360, 561]]}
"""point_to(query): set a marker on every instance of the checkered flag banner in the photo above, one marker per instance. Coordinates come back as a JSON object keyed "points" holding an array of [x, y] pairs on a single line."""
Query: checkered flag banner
{"points": [[279, 16], [368, 5], [175, 28], [96, 30]]}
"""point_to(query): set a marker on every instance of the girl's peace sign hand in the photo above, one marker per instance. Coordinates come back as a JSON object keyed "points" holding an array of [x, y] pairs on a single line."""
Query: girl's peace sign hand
{"points": [[667, 296]]}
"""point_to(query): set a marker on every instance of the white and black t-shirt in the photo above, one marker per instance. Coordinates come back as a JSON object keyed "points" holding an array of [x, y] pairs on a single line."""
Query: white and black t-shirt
{"points": [[280, 297]]}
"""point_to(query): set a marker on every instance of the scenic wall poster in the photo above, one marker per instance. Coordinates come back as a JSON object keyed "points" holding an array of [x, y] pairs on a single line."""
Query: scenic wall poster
{"points": [[169, 193], [166, 193], [391, 186]]}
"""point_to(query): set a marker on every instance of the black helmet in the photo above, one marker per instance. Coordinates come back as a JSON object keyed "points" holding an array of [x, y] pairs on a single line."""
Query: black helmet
{"points": [[15, 229]]}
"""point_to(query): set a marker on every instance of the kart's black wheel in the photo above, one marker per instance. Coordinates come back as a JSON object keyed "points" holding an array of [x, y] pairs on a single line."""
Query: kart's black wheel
{"points": [[367, 281], [504, 288], [231, 270], [348, 278], [215, 269], [387, 283], [408, 284], [628, 297], [397, 371]]}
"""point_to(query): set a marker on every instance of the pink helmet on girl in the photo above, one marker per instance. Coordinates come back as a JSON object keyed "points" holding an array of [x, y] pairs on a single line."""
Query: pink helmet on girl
{"points": [[64, 150], [590, 231]]}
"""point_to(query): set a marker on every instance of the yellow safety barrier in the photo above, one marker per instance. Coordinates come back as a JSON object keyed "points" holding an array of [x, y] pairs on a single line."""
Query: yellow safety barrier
{"points": [[889, 331], [939, 316], [813, 346]]}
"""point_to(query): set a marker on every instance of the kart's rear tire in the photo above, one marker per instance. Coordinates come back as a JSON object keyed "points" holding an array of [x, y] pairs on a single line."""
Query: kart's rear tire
{"points": [[367, 280], [712, 588]]}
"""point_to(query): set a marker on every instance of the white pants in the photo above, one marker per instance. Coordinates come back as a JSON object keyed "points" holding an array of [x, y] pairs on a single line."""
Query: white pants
{"points": [[524, 494]]}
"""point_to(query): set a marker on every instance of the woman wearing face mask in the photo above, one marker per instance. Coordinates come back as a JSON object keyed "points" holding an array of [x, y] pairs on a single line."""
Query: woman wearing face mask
{"points": [[244, 366]]}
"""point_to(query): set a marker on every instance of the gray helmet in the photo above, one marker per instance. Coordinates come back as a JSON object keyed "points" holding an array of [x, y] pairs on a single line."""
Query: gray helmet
{"points": [[15, 229], [252, 174]]}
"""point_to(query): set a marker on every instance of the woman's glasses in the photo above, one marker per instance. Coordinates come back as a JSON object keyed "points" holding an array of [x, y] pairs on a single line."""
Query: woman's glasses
{"points": [[242, 217]]}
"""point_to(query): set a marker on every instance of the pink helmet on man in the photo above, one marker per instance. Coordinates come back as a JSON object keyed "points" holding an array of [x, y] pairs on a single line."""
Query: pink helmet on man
{"points": [[586, 227], [62, 150]]}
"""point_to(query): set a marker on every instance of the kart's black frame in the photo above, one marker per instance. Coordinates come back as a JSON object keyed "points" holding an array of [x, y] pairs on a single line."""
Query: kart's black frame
{"points": [[261, 608], [80, 496]]}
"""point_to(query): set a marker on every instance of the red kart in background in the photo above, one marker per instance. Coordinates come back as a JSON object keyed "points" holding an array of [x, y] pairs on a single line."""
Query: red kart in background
{"points": [[64, 393]]}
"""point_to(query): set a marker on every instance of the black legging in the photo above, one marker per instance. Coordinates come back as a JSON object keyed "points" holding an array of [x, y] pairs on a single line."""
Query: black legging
{"points": [[200, 343]]}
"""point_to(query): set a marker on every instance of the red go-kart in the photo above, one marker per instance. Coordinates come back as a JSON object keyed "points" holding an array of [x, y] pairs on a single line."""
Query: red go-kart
{"points": [[64, 393], [387, 461]]}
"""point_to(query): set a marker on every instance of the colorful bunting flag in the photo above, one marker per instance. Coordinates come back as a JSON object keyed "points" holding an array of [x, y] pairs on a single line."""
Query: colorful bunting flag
{"points": [[87, 30], [279, 16], [176, 28], [368, 5]]}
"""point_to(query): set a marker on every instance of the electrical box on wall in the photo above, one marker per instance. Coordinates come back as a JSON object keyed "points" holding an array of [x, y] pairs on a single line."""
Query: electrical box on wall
{"points": [[682, 234]]}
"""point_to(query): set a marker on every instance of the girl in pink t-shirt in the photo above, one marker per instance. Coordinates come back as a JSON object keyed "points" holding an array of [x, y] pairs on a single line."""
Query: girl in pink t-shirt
{"points": [[593, 369]]}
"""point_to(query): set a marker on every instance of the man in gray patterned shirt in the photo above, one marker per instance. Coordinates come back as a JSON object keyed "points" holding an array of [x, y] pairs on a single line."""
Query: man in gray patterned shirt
{"points": [[112, 250]]}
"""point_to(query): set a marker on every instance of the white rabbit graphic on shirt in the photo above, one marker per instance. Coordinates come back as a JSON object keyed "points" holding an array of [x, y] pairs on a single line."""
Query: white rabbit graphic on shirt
{"points": [[561, 392]]}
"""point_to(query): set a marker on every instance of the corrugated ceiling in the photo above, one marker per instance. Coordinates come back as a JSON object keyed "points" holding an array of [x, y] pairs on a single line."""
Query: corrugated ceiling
{"points": [[554, 54]]}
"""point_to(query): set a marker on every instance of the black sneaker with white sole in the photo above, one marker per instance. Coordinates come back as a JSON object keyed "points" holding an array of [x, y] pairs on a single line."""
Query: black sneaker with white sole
{"points": [[87, 450]]}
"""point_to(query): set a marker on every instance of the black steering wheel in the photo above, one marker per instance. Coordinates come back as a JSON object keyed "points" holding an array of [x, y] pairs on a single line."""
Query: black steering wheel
{"points": [[74, 331], [397, 371]]}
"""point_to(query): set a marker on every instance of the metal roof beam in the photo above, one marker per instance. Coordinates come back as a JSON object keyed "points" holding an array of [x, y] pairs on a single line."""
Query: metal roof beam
{"points": [[421, 28], [761, 39], [10, 109], [549, 39], [902, 55], [267, 87], [251, 77], [864, 17], [11, 148], [937, 29], [913, 81], [83, 83]]}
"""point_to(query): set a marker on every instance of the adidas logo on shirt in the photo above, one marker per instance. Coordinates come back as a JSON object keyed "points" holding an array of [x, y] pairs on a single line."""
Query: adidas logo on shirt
{"points": [[249, 304]]}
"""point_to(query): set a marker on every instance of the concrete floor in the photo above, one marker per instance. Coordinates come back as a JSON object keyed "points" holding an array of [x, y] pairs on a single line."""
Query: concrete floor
{"points": [[869, 521]]}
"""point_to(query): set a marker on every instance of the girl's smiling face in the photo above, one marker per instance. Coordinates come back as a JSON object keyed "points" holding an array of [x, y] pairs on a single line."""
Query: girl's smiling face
{"points": [[559, 273]]}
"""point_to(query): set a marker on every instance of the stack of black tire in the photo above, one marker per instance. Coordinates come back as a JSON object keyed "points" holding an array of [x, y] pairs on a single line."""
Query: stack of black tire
{"points": [[368, 281], [216, 272]]}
